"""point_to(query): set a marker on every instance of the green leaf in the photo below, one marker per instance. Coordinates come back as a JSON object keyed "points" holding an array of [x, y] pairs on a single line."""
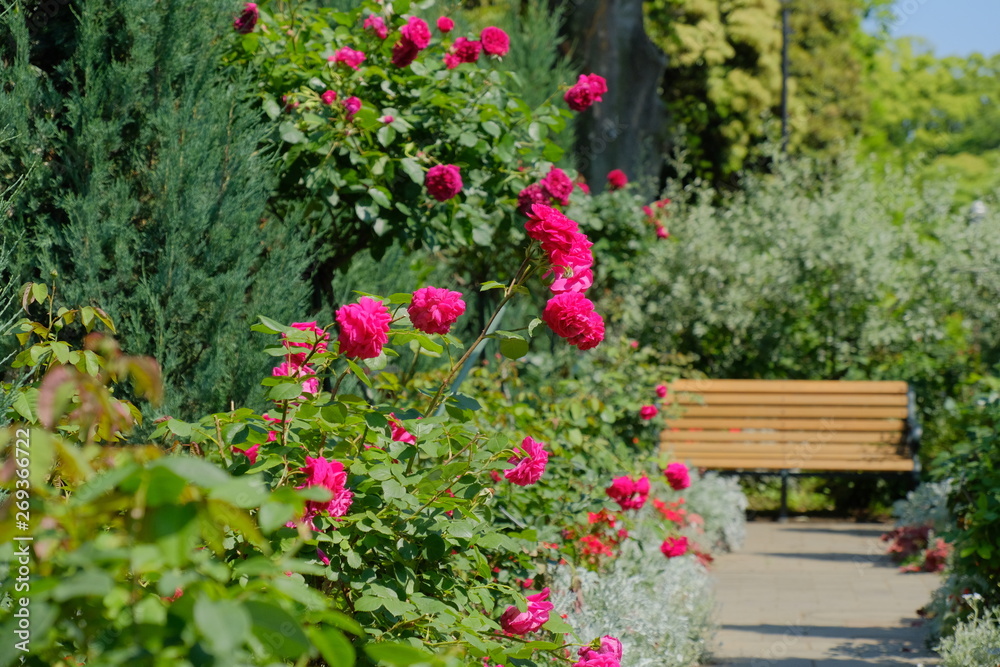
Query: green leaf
{"points": [[557, 626], [357, 371], [413, 170], [491, 284], [290, 134], [492, 129], [335, 648], [250, 42], [533, 325], [179, 428], [386, 135], [397, 655], [513, 348], [379, 197], [279, 632], [468, 139], [223, 623], [537, 131], [196, 471], [286, 391]]}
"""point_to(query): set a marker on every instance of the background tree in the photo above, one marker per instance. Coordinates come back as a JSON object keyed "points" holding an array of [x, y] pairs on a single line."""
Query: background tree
{"points": [[144, 188]]}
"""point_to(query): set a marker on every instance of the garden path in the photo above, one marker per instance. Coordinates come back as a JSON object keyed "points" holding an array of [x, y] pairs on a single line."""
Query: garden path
{"points": [[818, 594]]}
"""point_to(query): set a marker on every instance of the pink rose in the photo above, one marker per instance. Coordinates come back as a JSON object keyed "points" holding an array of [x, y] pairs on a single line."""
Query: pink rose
{"points": [[349, 57], [584, 188], [661, 232], [495, 41], [647, 412], [598, 85], [674, 546], [585, 92], [353, 106], [250, 453], [399, 432], [528, 468], [404, 52], [443, 181], [628, 493], [558, 185], [247, 20], [599, 660], [332, 476], [416, 32], [661, 390], [328, 97], [529, 196], [386, 119], [445, 24], [572, 266], [377, 25], [551, 228], [617, 179], [609, 646], [293, 370], [571, 316], [435, 309], [364, 328], [466, 50], [522, 622], [677, 476]]}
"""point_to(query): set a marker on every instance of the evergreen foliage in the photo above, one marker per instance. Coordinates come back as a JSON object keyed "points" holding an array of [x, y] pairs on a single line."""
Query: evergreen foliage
{"points": [[145, 189]]}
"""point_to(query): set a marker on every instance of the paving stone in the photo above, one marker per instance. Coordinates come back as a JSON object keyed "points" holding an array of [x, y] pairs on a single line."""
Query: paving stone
{"points": [[818, 594]]}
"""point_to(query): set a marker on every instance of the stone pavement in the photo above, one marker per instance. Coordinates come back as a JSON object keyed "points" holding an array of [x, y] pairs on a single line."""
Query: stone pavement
{"points": [[818, 594]]}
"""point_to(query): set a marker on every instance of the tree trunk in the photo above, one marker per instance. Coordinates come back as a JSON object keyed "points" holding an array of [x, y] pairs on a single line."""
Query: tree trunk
{"points": [[626, 130]]}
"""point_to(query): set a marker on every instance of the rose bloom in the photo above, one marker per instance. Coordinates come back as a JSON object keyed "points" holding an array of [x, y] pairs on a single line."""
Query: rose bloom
{"points": [[416, 32], [522, 622], [329, 97], [364, 328], [443, 181], [332, 476], [531, 195], [609, 646], [293, 370], [247, 20], [661, 390], [628, 493], [377, 25], [386, 119], [399, 432], [466, 50], [445, 24], [661, 232], [674, 546], [495, 41], [584, 188], [435, 309], [353, 106], [404, 52], [571, 316], [552, 229], [558, 185], [599, 660], [572, 266], [250, 453], [647, 412], [349, 57], [677, 476], [528, 468], [585, 92], [617, 179]]}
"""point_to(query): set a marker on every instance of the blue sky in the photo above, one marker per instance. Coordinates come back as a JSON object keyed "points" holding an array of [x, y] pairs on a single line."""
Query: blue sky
{"points": [[953, 27]]}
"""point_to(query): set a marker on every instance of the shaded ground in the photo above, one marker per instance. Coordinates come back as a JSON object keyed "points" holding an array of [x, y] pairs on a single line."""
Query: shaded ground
{"points": [[818, 594]]}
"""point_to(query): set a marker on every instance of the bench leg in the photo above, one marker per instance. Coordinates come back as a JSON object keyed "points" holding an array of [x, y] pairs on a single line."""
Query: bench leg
{"points": [[783, 513]]}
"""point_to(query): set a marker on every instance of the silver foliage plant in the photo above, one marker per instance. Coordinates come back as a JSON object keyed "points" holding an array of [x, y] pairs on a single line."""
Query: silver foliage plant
{"points": [[926, 504], [975, 642], [660, 609]]}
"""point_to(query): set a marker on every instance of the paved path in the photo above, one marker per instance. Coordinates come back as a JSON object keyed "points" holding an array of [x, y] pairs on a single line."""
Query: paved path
{"points": [[818, 594]]}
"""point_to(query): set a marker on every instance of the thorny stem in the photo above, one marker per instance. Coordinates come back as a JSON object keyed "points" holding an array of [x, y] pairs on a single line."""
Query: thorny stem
{"points": [[509, 291]]}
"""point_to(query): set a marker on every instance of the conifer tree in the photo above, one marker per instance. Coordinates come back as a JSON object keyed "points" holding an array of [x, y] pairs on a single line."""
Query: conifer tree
{"points": [[145, 189]]}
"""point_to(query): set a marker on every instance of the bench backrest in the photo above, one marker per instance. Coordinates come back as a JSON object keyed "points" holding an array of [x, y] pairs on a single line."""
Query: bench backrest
{"points": [[823, 425]]}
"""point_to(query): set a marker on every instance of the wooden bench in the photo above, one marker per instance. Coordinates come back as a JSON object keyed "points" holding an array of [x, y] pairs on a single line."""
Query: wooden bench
{"points": [[793, 427]]}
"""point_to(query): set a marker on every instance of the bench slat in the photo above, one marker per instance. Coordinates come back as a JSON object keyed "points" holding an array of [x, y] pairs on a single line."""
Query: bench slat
{"points": [[786, 450], [730, 398], [790, 424], [792, 411], [791, 386], [780, 436], [897, 465]]}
